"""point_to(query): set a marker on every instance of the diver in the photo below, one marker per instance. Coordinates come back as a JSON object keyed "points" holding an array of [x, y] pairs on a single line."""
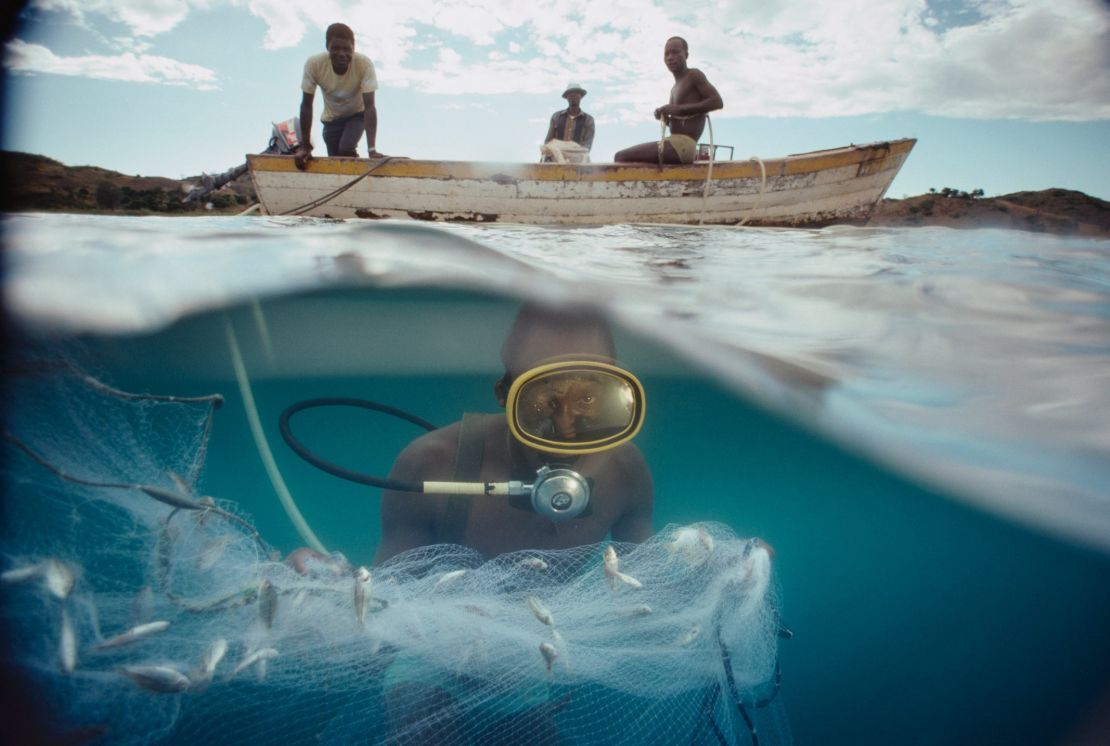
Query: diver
{"points": [[570, 414], [557, 470], [497, 448]]}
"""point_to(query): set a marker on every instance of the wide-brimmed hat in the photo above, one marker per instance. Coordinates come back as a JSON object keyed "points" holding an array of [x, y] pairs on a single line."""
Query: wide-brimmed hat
{"points": [[574, 87]]}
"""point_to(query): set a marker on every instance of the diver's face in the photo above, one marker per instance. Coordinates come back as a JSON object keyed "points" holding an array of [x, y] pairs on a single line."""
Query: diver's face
{"points": [[341, 51], [562, 407]]}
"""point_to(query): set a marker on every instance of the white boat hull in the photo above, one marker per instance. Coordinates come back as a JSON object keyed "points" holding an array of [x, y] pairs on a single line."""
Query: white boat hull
{"points": [[831, 186]]}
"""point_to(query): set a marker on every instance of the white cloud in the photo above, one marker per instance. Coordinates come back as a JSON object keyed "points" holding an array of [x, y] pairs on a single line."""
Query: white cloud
{"points": [[1030, 59], [142, 17], [21, 57]]}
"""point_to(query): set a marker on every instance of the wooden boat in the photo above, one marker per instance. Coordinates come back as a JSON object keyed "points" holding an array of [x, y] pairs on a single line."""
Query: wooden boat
{"points": [[842, 185]]}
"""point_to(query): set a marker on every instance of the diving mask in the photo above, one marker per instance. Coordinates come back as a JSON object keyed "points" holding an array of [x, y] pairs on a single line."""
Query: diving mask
{"points": [[575, 407], [567, 408]]}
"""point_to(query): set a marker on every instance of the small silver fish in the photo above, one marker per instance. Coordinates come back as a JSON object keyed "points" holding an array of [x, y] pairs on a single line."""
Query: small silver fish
{"points": [[173, 499], [67, 645], [158, 679], [267, 603], [692, 544], [252, 658], [532, 563], [212, 657], [362, 589], [613, 575], [634, 611], [22, 574], [448, 578], [211, 552], [134, 634], [540, 611], [549, 653], [692, 634], [179, 481], [209, 505], [59, 578]]}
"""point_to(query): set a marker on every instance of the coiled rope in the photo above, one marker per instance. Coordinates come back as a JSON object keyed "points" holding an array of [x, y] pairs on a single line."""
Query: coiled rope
{"points": [[333, 194], [663, 124], [762, 188]]}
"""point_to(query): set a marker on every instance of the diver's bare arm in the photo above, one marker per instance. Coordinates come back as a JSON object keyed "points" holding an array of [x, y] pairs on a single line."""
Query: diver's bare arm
{"points": [[406, 524], [409, 518]]}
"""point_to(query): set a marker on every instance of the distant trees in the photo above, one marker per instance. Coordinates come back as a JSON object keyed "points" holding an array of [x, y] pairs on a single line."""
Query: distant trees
{"points": [[107, 195], [957, 194], [34, 182]]}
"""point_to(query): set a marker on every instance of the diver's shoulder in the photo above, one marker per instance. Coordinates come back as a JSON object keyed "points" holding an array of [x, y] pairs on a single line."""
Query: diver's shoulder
{"points": [[431, 447], [438, 441], [629, 456]]}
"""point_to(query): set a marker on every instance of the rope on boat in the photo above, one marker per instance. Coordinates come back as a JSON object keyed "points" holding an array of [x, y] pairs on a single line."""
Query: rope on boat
{"points": [[712, 158], [332, 195], [762, 188], [708, 171]]}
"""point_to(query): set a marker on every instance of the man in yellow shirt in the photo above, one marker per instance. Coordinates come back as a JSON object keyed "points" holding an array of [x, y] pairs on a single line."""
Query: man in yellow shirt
{"points": [[348, 82]]}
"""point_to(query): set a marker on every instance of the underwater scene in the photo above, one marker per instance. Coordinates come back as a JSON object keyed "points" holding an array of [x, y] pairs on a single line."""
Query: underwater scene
{"points": [[879, 462]]}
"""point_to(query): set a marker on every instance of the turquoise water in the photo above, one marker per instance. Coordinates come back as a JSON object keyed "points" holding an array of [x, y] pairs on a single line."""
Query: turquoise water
{"points": [[910, 418]]}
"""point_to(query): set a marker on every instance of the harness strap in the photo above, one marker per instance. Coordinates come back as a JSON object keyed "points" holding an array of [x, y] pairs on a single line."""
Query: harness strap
{"points": [[468, 468]]}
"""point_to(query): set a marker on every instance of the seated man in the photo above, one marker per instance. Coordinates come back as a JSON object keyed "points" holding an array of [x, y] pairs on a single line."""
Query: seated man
{"points": [[490, 449], [348, 83], [571, 132], [692, 98]]}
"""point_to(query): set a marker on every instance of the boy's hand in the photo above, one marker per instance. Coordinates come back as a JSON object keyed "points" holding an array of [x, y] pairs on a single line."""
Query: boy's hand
{"points": [[302, 156]]}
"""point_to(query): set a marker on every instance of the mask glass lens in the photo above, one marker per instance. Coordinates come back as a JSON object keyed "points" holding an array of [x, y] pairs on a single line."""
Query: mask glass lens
{"points": [[575, 407]]}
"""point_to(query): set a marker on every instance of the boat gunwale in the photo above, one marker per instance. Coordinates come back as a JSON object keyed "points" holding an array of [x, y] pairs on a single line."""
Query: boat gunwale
{"points": [[814, 161]]}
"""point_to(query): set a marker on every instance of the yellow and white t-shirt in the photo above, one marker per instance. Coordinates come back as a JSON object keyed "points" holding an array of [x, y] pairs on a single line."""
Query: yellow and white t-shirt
{"points": [[342, 93]]}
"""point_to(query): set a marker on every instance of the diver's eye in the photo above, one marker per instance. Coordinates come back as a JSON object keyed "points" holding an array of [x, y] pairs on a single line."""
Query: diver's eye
{"points": [[587, 399]]}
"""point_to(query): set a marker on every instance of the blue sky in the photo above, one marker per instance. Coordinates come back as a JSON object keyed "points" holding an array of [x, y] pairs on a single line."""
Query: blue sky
{"points": [[1003, 95]]}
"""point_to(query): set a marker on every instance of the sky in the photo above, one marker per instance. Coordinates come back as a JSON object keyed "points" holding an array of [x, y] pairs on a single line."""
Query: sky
{"points": [[1002, 95]]}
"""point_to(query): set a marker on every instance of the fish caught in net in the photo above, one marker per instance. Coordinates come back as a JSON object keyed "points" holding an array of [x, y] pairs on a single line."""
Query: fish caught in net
{"points": [[138, 611]]}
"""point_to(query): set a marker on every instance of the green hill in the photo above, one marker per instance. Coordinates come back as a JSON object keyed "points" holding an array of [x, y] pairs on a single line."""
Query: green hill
{"points": [[37, 183]]}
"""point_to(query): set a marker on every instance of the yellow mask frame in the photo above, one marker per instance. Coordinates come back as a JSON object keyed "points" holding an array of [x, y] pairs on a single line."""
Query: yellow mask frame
{"points": [[611, 380]]}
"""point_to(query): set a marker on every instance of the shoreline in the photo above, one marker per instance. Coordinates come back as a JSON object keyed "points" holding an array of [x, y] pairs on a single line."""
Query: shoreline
{"points": [[1056, 211], [35, 183]]}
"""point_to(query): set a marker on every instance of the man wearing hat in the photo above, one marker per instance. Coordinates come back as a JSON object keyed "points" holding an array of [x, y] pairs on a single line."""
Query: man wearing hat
{"points": [[571, 125]]}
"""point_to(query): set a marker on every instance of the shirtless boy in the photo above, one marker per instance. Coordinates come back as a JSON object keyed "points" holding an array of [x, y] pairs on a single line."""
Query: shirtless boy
{"points": [[692, 98]]}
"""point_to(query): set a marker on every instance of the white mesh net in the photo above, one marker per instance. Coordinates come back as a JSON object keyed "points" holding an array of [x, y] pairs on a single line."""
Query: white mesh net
{"points": [[140, 612]]}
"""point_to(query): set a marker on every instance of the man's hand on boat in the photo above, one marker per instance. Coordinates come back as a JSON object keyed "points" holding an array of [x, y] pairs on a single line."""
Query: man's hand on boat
{"points": [[302, 156]]}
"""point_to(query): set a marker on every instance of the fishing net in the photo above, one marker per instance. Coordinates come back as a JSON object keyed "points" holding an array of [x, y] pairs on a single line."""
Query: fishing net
{"points": [[138, 611]]}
